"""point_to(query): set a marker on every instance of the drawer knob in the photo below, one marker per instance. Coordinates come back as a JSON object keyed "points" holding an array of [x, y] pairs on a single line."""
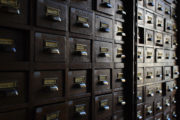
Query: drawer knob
{"points": [[12, 92], [105, 107], [121, 12], [175, 43], [104, 55], [123, 103], [123, 80], [175, 87], [174, 101], [81, 85], [167, 104], [151, 3], [53, 50], [82, 113], [170, 89], [167, 75], [160, 25], [169, 28], [151, 94], [159, 108], [150, 39], [84, 25], [103, 82], [82, 53], [140, 18], [55, 18], [160, 8], [158, 41], [53, 88], [149, 21], [175, 16], [121, 34], [121, 55], [167, 12], [139, 98], [105, 30], [159, 75], [139, 117], [174, 115], [106, 4], [139, 56], [149, 77], [159, 91], [150, 112], [149, 57]]}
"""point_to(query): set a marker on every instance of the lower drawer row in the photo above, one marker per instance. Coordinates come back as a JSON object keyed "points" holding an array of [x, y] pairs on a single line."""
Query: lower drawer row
{"points": [[79, 109]]}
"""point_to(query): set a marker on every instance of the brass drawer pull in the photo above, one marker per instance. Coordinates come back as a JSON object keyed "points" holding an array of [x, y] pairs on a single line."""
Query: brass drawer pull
{"points": [[53, 14], [82, 22]]}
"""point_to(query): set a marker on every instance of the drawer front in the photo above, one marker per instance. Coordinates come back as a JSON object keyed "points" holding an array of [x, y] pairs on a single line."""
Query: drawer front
{"points": [[103, 27], [119, 9], [167, 41], [175, 72], [51, 14], [119, 80], [103, 51], [140, 95], [158, 107], [167, 10], [174, 26], [85, 4], [158, 74], [102, 80], [167, 115], [80, 50], [158, 90], [140, 76], [160, 6], [118, 53], [149, 37], [50, 48], [50, 112], [150, 93], [149, 20], [12, 45], [119, 33], [140, 112], [149, 75], [14, 11], [79, 109], [171, 87], [167, 55], [173, 100], [78, 82], [47, 84], [174, 115], [119, 101], [19, 115], [159, 23], [148, 109], [119, 116], [173, 56], [81, 21], [159, 39], [159, 116], [140, 54], [141, 2], [141, 16], [173, 13], [166, 103], [149, 55], [150, 4], [12, 88], [174, 42], [105, 6], [167, 73], [103, 106], [159, 55], [168, 26]]}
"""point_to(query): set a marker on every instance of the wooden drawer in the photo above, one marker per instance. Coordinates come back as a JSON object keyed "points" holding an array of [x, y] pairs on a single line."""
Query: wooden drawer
{"points": [[140, 54], [140, 112], [103, 107], [119, 80], [173, 56], [174, 42], [158, 106], [166, 103], [149, 75], [168, 26], [167, 10], [102, 80], [81, 21], [175, 72], [50, 112], [47, 85], [85, 4], [140, 95], [141, 2], [105, 6], [103, 27], [148, 109], [119, 9], [49, 48], [149, 93], [102, 51], [119, 116], [167, 41], [158, 72], [167, 73], [14, 11], [173, 100], [140, 76], [51, 14], [171, 87], [118, 53], [13, 88], [119, 33], [158, 90], [159, 116], [149, 20], [149, 55], [160, 6], [159, 55], [158, 39], [149, 37], [159, 23], [174, 114], [79, 109], [80, 51], [150, 4], [141, 16], [13, 44], [18, 115], [167, 56], [167, 115], [78, 82], [119, 101]]}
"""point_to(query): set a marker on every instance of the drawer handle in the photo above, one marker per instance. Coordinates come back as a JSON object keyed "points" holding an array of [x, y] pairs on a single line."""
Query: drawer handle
{"points": [[174, 115], [123, 103], [149, 112], [140, 78], [159, 91], [159, 108], [106, 108], [167, 74], [170, 89], [160, 25], [82, 113], [167, 104], [121, 34], [121, 55], [53, 14], [122, 80], [82, 22], [53, 50], [103, 82], [104, 27], [151, 3], [150, 39], [158, 41], [105, 30], [175, 43], [10, 92], [159, 76], [53, 88], [84, 25], [175, 58], [177, 73], [175, 87], [140, 18], [159, 57], [7, 45], [106, 4], [167, 12], [139, 117], [121, 12], [104, 55], [81, 85], [149, 77], [139, 98], [169, 28], [160, 8], [149, 21], [151, 94], [174, 101]]}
